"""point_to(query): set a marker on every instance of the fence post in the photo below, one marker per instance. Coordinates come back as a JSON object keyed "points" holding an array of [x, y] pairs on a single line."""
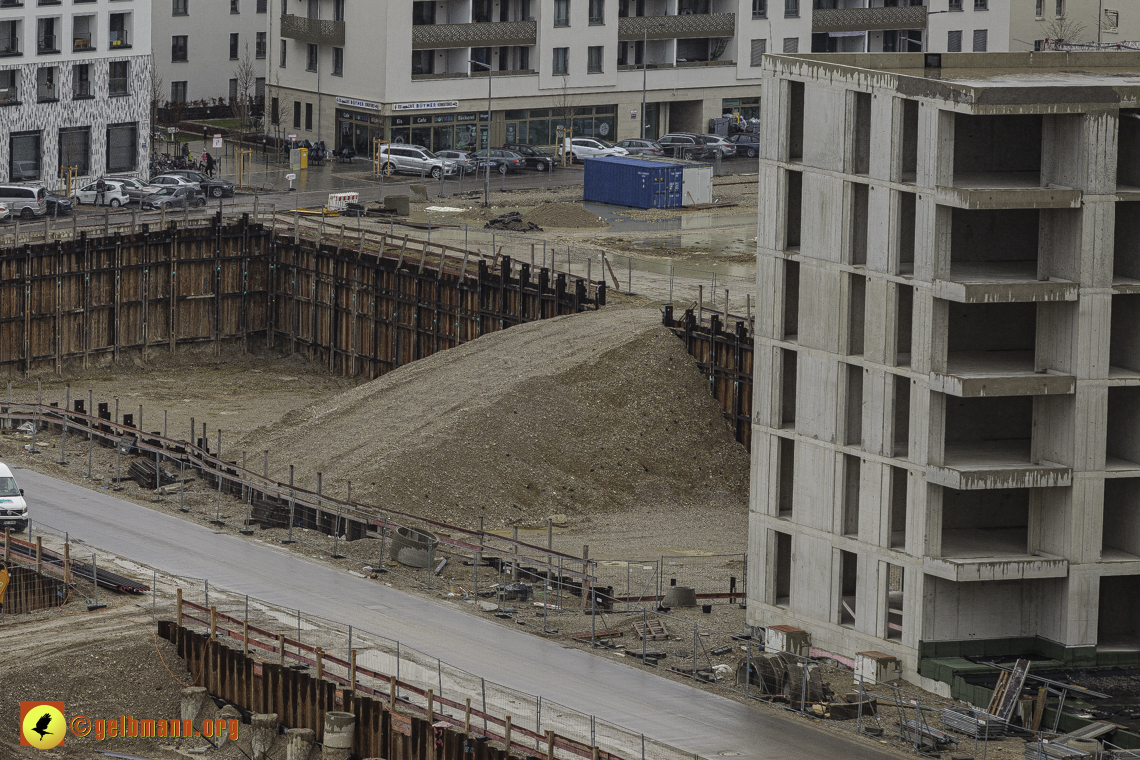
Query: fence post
{"points": [[391, 692], [694, 651], [206, 586], [431, 705], [507, 734], [748, 666], [483, 687], [352, 670], [213, 622], [859, 715], [281, 649], [178, 607], [153, 592], [95, 575], [467, 717]]}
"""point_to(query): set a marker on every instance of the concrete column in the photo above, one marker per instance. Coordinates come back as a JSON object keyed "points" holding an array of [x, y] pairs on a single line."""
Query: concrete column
{"points": [[227, 713], [263, 730], [299, 743], [193, 701]]}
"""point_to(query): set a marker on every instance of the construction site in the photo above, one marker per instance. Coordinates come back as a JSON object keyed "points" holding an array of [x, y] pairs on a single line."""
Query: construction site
{"points": [[380, 488]]}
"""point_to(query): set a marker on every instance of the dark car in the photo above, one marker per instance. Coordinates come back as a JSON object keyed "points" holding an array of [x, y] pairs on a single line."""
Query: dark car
{"points": [[534, 158], [59, 204], [747, 144], [638, 147], [501, 160], [213, 187], [685, 145], [172, 197]]}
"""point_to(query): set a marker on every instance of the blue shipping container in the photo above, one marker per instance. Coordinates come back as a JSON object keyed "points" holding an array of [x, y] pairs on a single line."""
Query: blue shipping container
{"points": [[626, 181]]}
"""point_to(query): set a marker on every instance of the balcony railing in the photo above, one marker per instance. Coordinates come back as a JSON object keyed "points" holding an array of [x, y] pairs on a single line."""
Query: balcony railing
{"points": [[46, 93], [119, 39], [677, 65], [47, 43], [81, 42], [438, 36], [868, 19], [9, 46], [81, 89], [317, 31], [474, 74], [689, 26]]}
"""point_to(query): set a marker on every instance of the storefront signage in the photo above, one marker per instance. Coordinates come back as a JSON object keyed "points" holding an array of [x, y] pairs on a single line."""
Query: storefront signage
{"points": [[358, 103], [425, 106]]}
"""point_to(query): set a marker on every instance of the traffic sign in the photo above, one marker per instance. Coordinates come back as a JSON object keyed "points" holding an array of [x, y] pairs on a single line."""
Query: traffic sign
{"points": [[218, 143]]}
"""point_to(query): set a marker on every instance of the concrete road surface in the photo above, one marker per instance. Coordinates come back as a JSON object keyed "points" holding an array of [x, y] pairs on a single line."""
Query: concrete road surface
{"points": [[686, 717]]}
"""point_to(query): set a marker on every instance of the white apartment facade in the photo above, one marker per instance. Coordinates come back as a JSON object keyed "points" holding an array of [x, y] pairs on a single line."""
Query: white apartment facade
{"points": [[199, 45], [74, 88]]}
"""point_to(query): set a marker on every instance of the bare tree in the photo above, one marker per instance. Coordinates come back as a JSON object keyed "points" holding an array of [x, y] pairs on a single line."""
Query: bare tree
{"points": [[246, 77], [1063, 30], [565, 103], [156, 93]]}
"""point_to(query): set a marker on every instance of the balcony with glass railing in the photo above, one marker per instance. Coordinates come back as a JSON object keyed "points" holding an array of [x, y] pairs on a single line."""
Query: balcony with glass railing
{"points": [[10, 46], [10, 94], [119, 39]]}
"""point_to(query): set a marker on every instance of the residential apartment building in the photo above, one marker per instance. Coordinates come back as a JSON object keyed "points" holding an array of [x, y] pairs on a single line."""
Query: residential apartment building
{"points": [[73, 88], [200, 45], [947, 372]]}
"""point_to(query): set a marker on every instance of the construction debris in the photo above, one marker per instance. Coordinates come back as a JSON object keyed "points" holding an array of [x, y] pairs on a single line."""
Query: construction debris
{"points": [[512, 221], [144, 472], [651, 630]]}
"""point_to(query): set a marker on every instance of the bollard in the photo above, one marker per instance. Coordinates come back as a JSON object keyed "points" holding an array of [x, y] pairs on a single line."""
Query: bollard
{"points": [[299, 743], [178, 606]]}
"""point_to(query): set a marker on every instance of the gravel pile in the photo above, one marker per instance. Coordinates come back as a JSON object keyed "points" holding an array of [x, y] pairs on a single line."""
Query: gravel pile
{"points": [[582, 415], [563, 215]]}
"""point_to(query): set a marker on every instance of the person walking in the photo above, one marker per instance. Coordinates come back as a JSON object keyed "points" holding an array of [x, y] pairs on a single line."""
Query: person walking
{"points": [[186, 152], [100, 191], [209, 166], [205, 155]]}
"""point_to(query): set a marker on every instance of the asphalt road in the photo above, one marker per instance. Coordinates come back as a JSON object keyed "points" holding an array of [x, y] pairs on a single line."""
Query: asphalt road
{"points": [[686, 717]]}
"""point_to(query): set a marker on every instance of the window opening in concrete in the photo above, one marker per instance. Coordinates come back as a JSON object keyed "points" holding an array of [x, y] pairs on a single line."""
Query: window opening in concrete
{"points": [[997, 151], [985, 522], [994, 244], [861, 133], [851, 479], [1121, 534], [1126, 251], [903, 320], [848, 581], [1123, 439], [974, 346], [788, 388], [909, 163], [795, 209], [902, 416], [853, 412], [791, 299], [787, 469], [860, 222], [985, 431], [856, 314], [795, 121], [895, 579], [1118, 620], [897, 523], [907, 209], [1124, 341], [1128, 150], [783, 595]]}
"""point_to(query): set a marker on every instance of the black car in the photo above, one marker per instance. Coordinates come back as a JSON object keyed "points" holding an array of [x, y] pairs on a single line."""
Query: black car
{"points": [[213, 187], [501, 160], [534, 158], [172, 197], [59, 204], [747, 144], [685, 145]]}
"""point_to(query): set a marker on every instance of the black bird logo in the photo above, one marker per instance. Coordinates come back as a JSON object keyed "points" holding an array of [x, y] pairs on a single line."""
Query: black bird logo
{"points": [[42, 724]]}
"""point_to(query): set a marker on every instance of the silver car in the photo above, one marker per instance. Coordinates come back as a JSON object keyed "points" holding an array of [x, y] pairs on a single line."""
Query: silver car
{"points": [[718, 143], [460, 158], [412, 159], [135, 189]]}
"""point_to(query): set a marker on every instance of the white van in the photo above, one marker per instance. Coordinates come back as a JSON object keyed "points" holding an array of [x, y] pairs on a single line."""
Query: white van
{"points": [[13, 508]]}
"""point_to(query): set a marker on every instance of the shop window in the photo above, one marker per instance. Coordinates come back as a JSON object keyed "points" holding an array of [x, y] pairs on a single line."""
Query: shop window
{"points": [[75, 149], [122, 147]]}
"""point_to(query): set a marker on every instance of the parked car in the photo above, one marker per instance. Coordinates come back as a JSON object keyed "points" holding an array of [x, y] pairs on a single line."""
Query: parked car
{"points": [[5, 214], [582, 148], [26, 200], [534, 158], [114, 196], [502, 161], [637, 147], [747, 144], [59, 204], [720, 145], [684, 145], [135, 189], [412, 159], [173, 197], [215, 187], [461, 158], [172, 180]]}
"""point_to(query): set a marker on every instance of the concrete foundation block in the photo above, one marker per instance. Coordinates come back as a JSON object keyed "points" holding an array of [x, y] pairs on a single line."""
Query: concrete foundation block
{"points": [[227, 713], [878, 666], [339, 730], [262, 730], [419, 192], [299, 743], [397, 204], [786, 638], [193, 701]]}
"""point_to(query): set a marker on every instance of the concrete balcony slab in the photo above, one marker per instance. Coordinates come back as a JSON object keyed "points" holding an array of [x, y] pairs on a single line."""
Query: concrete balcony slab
{"points": [[997, 373], [868, 19], [1007, 568], [995, 464], [1005, 190], [1001, 282], [316, 31], [1123, 377]]}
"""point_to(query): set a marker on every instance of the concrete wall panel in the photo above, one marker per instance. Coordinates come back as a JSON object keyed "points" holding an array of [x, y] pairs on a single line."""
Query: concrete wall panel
{"points": [[817, 396], [825, 109], [815, 486]]}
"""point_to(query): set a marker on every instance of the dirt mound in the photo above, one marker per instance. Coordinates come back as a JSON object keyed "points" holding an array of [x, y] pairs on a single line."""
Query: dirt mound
{"points": [[513, 222], [591, 413], [563, 215]]}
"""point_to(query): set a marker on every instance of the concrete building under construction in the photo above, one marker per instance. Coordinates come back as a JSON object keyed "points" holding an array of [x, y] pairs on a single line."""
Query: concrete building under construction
{"points": [[946, 440]]}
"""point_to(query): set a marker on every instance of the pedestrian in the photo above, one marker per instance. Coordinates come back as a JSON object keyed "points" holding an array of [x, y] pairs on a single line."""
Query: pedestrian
{"points": [[205, 155], [209, 165], [186, 151], [100, 191]]}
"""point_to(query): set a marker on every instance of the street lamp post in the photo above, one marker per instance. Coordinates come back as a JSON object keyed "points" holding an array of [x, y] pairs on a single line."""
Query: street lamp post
{"points": [[644, 63], [487, 176]]}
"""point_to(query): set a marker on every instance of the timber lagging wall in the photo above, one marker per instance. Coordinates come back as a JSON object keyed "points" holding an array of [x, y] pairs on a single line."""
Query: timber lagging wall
{"points": [[363, 304]]}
